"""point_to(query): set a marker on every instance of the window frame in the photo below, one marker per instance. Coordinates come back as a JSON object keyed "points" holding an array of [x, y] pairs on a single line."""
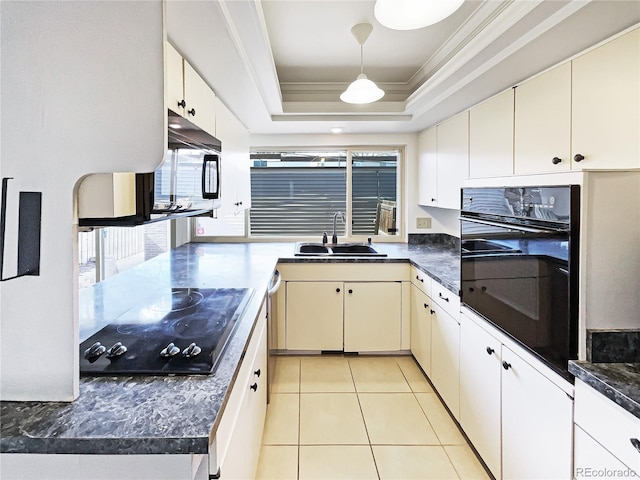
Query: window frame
{"points": [[349, 236]]}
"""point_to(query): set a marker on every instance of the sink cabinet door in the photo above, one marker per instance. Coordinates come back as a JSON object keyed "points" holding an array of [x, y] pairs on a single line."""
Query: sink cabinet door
{"points": [[314, 315], [372, 316]]}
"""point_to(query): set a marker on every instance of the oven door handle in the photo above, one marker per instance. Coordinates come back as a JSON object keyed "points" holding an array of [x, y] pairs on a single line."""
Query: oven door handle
{"points": [[522, 228]]}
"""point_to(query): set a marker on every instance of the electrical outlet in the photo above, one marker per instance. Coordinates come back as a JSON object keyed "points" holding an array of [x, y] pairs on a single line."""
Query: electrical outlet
{"points": [[423, 222]]}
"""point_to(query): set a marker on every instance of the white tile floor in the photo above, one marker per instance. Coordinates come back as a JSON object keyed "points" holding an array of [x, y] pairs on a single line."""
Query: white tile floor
{"points": [[335, 417]]}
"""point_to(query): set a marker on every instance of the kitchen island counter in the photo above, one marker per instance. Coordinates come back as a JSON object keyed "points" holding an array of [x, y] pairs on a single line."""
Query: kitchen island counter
{"points": [[172, 414]]}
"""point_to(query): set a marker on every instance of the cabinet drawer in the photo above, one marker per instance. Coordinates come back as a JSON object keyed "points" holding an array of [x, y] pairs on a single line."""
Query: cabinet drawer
{"points": [[609, 424], [590, 457], [421, 280], [449, 301]]}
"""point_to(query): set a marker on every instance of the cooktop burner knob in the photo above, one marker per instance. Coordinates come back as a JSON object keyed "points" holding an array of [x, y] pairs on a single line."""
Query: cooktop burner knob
{"points": [[94, 351], [169, 351], [116, 350], [191, 351]]}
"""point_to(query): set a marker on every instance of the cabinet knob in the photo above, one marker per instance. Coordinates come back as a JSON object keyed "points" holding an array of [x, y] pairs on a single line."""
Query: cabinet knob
{"points": [[257, 373], [506, 365], [556, 160], [636, 443], [433, 199], [490, 350], [182, 103], [426, 306], [350, 291], [471, 289], [418, 278], [578, 157], [337, 290], [446, 299], [432, 312], [254, 387], [192, 112]]}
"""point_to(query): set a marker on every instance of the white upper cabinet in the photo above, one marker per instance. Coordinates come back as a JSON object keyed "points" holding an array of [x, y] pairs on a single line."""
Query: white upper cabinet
{"points": [[453, 159], [187, 93], [491, 137], [606, 105], [543, 122], [427, 168]]}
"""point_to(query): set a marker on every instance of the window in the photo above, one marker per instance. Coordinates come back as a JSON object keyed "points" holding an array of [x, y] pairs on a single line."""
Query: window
{"points": [[297, 193]]}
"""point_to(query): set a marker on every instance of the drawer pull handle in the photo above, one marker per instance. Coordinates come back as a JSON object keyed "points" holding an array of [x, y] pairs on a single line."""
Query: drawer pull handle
{"points": [[446, 299], [636, 443], [418, 278], [506, 365], [490, 350], [257, 373], [254, 387]]}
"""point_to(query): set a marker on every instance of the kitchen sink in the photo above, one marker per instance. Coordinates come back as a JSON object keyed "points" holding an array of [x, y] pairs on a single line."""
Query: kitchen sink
{"points": [[338, 250]]}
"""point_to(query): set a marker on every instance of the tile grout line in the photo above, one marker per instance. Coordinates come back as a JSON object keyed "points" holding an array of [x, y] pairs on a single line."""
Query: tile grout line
{"points": [[355, 386]]}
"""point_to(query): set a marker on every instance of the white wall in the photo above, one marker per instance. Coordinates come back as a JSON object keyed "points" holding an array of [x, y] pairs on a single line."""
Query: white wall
{"points": [[82, 91], [443, 220]]}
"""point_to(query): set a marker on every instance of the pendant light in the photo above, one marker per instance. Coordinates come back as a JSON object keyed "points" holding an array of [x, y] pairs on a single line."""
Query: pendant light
{"points": [[362, 90], [413, 14]]}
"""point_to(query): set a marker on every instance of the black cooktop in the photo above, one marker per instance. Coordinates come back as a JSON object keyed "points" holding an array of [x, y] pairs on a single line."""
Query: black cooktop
{"points": [[178, 331]]}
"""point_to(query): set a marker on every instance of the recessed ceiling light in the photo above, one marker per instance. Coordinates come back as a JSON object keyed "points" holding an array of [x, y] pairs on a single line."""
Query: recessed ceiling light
{"points": [[336, 130]]}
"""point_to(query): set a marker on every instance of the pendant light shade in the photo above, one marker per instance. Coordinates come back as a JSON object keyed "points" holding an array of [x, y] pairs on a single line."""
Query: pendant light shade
{"points": [[413, 14], [362, 90]]}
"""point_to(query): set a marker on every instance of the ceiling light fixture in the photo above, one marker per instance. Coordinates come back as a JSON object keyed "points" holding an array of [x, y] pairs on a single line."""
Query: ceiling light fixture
{"points": [[412, 14], [362, 90]]}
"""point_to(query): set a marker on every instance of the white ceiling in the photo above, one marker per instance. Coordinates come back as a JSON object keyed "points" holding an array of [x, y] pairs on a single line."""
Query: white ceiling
{"points": [[280, 65]]}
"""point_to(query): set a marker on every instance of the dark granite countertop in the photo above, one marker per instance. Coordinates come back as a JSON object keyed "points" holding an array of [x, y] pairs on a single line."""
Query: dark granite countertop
{"points": [[620, 382], [149, 415]]}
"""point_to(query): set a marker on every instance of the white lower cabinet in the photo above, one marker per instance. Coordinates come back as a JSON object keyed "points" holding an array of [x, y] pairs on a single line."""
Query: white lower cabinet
{"points": [[537, 419], [421, 306], [337, 307], [372, 316], [315, 314], [480, 390], [607, 436], [445, 357], [239, 435], [519, 421]]}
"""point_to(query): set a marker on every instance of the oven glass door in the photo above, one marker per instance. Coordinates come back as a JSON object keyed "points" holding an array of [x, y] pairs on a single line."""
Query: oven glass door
{"points": [[518, 278]]}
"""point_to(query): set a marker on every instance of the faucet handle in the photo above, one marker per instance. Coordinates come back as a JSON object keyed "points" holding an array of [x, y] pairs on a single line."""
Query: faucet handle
{"points": [[324, 237]]}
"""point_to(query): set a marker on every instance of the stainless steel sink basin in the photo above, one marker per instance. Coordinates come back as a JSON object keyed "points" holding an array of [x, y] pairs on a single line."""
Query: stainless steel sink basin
{"points": [[338, 250]]}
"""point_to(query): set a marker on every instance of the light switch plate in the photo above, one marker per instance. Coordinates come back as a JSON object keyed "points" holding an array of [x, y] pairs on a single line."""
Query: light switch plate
{"points": [[423, 222]]}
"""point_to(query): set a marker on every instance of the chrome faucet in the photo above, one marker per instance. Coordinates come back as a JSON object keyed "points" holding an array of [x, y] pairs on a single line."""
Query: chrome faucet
{"points": [[334, 239]]}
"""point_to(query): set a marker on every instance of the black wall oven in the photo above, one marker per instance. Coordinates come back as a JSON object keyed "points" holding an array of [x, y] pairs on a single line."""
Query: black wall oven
{"points": [[519, 265]]}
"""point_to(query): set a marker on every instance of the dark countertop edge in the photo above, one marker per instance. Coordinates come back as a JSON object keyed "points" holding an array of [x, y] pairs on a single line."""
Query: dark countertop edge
{"points": [[598, 379], [106, 446], [397, 259]]}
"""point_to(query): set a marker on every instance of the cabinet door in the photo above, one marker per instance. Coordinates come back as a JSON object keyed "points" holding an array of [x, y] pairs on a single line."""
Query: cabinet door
{"points": [[242, 456], [590, 456], [445, 358], [427, 168], [453, 159], [543, 122], [174, 76], [314, 315], [491, 137], [421, 328], [537, 423], [480, 372], [372, 316], [200, 100], [606, 117]]}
